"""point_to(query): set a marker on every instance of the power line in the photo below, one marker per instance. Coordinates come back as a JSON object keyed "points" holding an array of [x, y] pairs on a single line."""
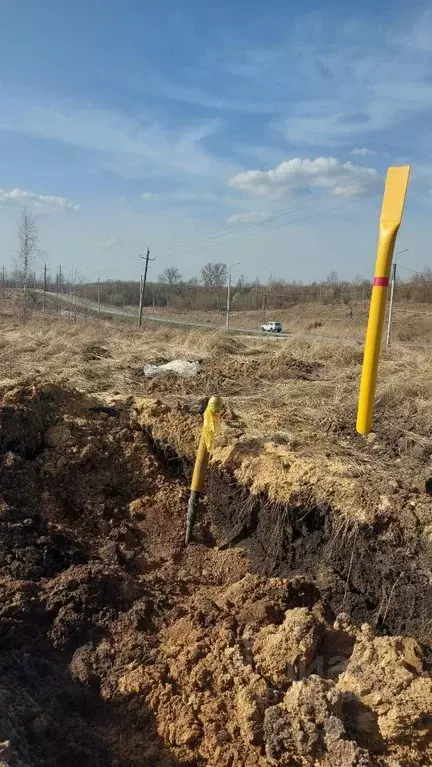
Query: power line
{"points": [[407, 269], [319, 213], [281, 226], [282, 212], [254, 224], [277, 214]]}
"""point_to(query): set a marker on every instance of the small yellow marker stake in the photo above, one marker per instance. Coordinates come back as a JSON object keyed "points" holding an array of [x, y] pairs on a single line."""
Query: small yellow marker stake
{"points": [[391, 216], [210, 430]]}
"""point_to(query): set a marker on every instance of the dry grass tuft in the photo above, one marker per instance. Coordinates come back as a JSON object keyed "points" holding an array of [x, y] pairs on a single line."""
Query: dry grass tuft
{"points": [[95, 352], [220, 343], [301, 391]]}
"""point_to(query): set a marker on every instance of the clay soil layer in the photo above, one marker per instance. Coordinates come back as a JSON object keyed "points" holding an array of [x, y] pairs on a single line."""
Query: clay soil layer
{"points": [[119, 647]]}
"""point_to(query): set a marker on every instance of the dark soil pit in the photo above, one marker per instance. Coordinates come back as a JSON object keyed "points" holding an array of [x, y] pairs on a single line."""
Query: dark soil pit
{"points": [[380, 573]]}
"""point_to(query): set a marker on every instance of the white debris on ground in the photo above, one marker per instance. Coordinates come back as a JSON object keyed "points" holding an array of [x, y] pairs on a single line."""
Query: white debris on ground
{"points": [[183, 368]]}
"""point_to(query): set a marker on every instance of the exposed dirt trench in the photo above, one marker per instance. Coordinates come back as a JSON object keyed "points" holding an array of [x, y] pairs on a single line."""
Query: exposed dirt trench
{"points": [[379, 573], [120, 647]]}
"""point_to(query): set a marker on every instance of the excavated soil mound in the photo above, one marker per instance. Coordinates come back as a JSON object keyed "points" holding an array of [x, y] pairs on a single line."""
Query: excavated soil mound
{"points": [[119, 647], [228, 374]]}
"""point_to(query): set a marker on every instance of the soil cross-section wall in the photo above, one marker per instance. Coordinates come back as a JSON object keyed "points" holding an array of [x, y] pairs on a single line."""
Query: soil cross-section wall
{"points": [[365, 538], [119, 647]]}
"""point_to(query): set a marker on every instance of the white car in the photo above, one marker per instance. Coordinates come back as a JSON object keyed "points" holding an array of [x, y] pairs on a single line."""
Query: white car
{"points": [[272, 327]]}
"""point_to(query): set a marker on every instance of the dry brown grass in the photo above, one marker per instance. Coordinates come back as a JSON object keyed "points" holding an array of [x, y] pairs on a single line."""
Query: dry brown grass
{"points": [[301, 391], [317, 319], [59, 349], [412, 323]]}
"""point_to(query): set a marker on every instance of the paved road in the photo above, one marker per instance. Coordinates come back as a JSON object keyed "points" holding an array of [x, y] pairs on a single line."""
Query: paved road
{"points": [[104, 309], [115, 310]]}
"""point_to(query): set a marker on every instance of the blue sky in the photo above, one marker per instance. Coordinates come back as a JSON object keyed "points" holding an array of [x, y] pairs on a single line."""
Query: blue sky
{"points": [[229, 131]]}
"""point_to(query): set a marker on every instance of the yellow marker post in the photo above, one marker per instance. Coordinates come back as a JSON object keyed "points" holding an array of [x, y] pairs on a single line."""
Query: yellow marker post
{"points": [[211, 425], [391, 216]]}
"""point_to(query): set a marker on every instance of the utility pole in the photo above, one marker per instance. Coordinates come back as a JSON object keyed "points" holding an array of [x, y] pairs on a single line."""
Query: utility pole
{"points": [[3, 282], [228, 307], [263, 305], [392, 289], [393, 282], [228, 300], [44, 285], [143, 286], [60, 287], [74, 294]]}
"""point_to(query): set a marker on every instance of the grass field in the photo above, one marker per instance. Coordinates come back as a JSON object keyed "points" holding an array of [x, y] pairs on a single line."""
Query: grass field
{"points": [[412, 323], [346, 322], [302, 390]]}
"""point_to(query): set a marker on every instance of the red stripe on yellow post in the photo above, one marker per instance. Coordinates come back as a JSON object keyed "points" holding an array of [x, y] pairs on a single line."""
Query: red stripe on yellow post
{"points": [[391, 216], [380, 282]]}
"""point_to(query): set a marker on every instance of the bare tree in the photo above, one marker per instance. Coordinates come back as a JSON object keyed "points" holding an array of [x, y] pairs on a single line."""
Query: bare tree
{"points": [[214, 275], [332, 279], [28, 240], [360, 280], [170, 276]]}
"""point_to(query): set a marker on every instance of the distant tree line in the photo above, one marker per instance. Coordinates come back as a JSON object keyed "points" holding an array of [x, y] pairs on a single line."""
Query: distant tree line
{"points": [[206, 292]]}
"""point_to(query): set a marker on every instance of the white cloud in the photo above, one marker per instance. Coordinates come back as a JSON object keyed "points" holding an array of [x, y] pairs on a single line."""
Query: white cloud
{"points": [[358, 84], [147, 196], [247, 218], [300, 175], [43, 201], [362, 152], [131, 146]]}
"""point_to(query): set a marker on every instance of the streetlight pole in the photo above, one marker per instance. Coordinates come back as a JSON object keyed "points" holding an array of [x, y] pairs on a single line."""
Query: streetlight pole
{"points": [[60, 290], [392, 289], [237, 263], [44, 286], [101, 271], [74, 281]]}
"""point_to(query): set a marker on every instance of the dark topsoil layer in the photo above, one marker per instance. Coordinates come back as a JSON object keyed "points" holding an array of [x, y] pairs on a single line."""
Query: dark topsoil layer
{"points": [[86, 589], [380, 573]]}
